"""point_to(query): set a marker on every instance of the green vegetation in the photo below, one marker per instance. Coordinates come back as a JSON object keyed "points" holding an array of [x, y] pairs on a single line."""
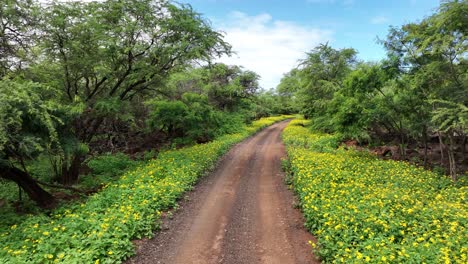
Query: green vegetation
{"points": [[79, 79], [26, 129], [101, 229], [416, 96], [118, 106], [363, 209]]}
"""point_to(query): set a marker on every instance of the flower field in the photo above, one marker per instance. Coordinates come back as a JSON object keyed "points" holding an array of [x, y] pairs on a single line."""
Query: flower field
{"points": [[362, 209], [101, 229]]}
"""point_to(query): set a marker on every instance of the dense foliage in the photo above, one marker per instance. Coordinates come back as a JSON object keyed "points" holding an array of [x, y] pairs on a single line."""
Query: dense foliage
{"points": [[417, 95], [364, 209]]}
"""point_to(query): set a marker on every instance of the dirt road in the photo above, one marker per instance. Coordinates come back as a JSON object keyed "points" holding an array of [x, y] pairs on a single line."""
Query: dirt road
{"points": [[240, 213]]}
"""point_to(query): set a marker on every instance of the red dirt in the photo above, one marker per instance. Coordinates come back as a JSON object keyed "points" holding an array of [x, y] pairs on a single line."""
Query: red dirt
{"points": [[241, 213]]}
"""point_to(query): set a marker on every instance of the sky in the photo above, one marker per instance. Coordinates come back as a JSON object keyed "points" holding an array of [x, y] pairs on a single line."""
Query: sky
{"points": [[271, 36]]}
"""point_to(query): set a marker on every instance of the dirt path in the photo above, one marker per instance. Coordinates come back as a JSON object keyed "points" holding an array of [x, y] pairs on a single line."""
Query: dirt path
{"points": [[241, 213]]}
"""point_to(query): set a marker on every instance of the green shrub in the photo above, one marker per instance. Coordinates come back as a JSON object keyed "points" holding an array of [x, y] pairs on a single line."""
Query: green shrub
{"points": [[107, 168], [110, 164], [231, 123], [192, 119]]}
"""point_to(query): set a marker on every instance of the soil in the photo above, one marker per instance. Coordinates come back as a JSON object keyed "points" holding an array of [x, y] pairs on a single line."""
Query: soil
{"points": [[241, 213]]}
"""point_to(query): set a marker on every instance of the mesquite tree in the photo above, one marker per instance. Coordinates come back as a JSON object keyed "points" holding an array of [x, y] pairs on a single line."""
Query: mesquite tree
{"points": [[432, 56], [101, 54]]}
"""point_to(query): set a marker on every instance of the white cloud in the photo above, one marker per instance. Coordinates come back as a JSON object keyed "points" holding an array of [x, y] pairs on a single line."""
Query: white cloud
{"points": [[343, 2], [267, 46], [379, 20]]}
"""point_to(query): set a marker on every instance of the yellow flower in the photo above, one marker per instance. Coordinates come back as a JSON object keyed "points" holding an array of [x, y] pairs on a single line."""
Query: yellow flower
{"points": [[359, 255]]}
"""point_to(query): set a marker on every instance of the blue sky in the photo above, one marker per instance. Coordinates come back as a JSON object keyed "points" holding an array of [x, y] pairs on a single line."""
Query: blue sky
{"points": [[271, 36]]}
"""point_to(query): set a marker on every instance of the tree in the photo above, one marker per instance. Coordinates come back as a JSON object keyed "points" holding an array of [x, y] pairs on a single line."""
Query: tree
{"points": [[227, 86], [287, 91], [27, 128], [17, 20], [432, 54], [117, 50], [452, 119], [366, 102], [321, 75]]}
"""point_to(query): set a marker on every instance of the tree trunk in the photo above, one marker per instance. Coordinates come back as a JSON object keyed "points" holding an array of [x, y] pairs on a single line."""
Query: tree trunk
{"points": [[402, 145], [451, 156], [29, 185], [87, 128], [463, 147], [425, 147], [441, 144], [70, 174]]}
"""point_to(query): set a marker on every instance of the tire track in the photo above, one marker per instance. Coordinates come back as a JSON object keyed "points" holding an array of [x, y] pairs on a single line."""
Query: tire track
{"points": [[240, 213]]}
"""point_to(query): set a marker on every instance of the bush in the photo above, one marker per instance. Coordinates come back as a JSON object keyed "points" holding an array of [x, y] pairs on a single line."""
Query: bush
{"points": [[231, 123], [107, 168], [192, 119], [110, 164], [168, 116]]}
